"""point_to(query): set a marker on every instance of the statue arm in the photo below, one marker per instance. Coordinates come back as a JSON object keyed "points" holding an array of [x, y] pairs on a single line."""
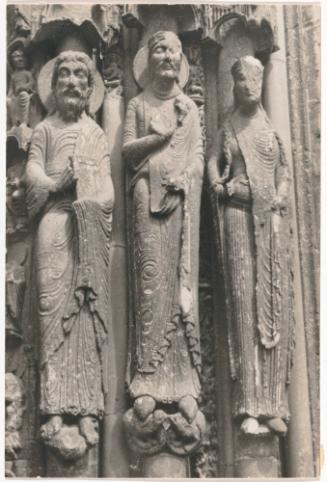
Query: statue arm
{"points": [[107, 195], [216, 181], [136, 150], [195, 169], [283, 178], [38, 184], [215, 154]]}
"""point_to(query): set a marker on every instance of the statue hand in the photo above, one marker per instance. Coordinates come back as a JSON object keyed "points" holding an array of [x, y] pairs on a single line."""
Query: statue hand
{"points": [[279, 204], [178, 184], [157, 126], [171, 201], [218, 189], [66, 180]]}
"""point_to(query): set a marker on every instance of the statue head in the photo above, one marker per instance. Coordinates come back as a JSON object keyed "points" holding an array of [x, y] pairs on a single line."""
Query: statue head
{"points": [[72, 84], [165, 55], [18, 59], [247, 73]]}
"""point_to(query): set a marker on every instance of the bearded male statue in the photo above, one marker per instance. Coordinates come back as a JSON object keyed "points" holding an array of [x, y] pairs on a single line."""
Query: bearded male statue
{"points": [[69, 195]]}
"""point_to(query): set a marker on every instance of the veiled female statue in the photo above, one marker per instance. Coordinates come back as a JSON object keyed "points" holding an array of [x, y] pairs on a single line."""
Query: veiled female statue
{"points": [[249, 181], [163, 150]]}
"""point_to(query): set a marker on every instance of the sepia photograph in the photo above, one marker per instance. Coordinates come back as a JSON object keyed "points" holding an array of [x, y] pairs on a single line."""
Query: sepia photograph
{"points": [[162, 258]]}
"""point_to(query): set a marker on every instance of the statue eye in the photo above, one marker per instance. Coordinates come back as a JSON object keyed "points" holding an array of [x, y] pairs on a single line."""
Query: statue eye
{"points": [[63, 72], [80, 74]]}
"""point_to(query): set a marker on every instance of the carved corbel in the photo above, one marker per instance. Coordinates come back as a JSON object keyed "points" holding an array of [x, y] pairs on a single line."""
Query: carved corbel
{"points": [[151, 430]]}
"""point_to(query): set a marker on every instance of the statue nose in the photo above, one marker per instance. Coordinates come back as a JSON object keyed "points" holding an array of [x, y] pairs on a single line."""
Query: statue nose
{"points": [[72, 80]]}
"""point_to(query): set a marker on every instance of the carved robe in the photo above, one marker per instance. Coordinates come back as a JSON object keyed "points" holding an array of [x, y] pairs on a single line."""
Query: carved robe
{"points": [[70, 262], [164, 251], [256, 262]]}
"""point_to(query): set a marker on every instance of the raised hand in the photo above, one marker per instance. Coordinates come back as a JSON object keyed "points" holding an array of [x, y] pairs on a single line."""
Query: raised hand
{"points": [[160, 127], [67, 179]]}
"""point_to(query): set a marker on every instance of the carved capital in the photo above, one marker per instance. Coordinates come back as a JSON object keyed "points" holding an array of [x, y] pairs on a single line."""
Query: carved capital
{"points": [[257, 22]]}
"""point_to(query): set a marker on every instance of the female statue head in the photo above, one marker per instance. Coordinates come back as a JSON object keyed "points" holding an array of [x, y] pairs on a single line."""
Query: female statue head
{"points": [[165, 55], [247, 73]]}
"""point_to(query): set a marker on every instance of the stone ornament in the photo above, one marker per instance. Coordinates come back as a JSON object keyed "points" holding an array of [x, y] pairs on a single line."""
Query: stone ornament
{"points": [[15, 407], [21, 85], [69, 197], [249, 180], [162, 148], [46, 93]]}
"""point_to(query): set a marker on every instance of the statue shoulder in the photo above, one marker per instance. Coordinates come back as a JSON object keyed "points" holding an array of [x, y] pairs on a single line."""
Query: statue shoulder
{"points": [[91, 126], [191, 105], [42, 128], [136, 101]]}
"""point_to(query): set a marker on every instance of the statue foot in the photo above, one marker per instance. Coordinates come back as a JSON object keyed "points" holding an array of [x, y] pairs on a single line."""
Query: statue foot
{"points": [[89, 428], [51, 427], [188, 407], [143, 406], [277, 425], [250, 425]]}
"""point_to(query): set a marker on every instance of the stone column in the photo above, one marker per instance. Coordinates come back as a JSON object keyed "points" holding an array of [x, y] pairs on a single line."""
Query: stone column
{"points": [[299, 443], [114, 457]]}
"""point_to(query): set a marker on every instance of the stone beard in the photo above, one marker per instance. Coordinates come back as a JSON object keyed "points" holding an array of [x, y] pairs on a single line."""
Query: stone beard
{"points": [[70, 196], [249, 177]]}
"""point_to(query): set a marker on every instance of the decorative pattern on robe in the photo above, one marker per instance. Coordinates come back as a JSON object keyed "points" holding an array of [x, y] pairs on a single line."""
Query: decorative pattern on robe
{"points": [[71, 255], [164, 253], [255, 256]]}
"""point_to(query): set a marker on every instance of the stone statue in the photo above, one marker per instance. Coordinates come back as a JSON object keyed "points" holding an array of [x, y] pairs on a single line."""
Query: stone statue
{"points": [[250, 181], [69, 194], [162, 148], [21, 85]]}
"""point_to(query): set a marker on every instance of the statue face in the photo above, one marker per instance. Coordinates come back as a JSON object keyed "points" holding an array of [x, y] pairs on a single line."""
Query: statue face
{"points": [[72, 88], [18, 60], [72, 81], [248, 86], [165, 58]]}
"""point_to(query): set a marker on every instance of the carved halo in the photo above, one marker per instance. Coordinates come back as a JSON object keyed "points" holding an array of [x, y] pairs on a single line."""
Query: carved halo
{"points": [[141, 72], [46, 95]]}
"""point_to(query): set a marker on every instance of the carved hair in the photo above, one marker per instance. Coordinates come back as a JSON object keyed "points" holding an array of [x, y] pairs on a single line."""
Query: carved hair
{"points": [[246, 61], [159, 37], [73, 56]]}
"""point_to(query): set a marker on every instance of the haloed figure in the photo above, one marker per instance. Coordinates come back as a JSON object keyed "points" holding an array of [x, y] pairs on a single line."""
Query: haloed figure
{"points": [[70, 196], [163, 151], [249, 181]]}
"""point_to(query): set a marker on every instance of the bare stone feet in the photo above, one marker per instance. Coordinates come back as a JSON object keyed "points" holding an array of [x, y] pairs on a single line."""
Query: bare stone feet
{"points": [[51, 427], [143, 406], [277, 425], [188, 407], [251, 426], [89, 428]]}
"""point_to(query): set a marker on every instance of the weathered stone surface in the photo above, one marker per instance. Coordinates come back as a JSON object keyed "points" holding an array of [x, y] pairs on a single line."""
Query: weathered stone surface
{"points": [[165, 189], [213, 37]]}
